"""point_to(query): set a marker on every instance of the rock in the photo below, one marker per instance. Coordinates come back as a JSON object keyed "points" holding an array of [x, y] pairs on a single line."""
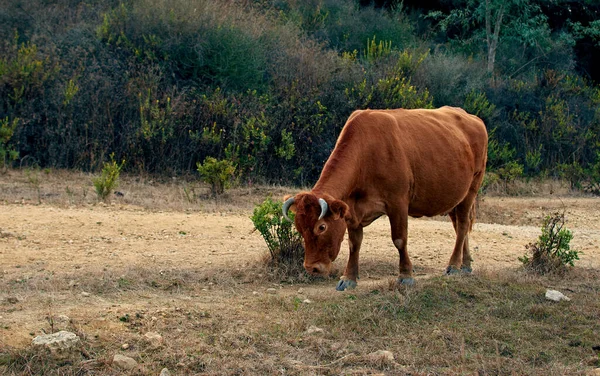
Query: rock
{"points": [[124, 362], [62, 343], [85, 294], [300, 290], [382, 355], [594, 372], [254, 292], [307, 301], [556, 296], [165, 372], [154, 339], [62, 321], [271, 291], [125, 346], [314, 330]]}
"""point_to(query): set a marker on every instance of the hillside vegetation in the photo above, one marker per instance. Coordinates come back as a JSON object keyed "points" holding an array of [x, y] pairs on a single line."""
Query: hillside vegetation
{"points": [[268, 85]]}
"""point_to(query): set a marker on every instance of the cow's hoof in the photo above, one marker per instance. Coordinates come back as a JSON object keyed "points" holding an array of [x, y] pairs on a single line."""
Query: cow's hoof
{"points": [[451, 270], [408, 281], [345, 284], [466, 269]]}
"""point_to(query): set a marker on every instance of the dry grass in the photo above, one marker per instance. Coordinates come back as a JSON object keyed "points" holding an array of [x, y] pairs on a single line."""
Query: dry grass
{"points": [[489, 323], [218, 320], [66, 188]]}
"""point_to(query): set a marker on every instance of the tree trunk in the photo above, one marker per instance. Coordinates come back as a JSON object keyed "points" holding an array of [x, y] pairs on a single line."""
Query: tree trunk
{"points": [[492, 37]]}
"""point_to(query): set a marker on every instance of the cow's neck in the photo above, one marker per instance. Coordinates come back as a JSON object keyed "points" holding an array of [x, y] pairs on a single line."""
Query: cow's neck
{"points": [[337, 182]]}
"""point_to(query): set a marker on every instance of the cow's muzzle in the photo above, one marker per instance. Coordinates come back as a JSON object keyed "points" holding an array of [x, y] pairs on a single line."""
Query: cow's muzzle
{"points": [[318, 269]]}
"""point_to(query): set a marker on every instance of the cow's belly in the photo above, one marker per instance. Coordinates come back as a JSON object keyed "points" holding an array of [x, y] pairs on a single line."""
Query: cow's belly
{"points": [[438, 199]]}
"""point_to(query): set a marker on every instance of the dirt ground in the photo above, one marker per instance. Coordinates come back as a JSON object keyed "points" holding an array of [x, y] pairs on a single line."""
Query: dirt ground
{"points": [[67, 256], [41, 240]]}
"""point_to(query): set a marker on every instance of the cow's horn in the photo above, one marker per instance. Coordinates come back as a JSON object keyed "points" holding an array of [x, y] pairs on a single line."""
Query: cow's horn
{"points": [[324, 207], [286, 206]]}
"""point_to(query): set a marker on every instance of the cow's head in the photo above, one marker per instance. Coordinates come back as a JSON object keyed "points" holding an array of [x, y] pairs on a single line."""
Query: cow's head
{"points": [[322, 223]]}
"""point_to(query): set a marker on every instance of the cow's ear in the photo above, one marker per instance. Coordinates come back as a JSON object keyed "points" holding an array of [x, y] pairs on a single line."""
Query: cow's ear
{"points": [[339, 209]]}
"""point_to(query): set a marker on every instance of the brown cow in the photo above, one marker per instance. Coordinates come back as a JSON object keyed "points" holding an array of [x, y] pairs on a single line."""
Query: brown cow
{"points": [[395, 162]]}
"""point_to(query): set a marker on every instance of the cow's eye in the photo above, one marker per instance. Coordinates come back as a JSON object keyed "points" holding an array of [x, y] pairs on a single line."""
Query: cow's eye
{"points": [[322, 227]]}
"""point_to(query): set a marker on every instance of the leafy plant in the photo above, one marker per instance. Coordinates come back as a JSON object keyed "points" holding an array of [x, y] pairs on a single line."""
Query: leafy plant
{"points": [[109, 180], [7, 129], [216, 173], [552, 251], [509, 172], [573, 173], [283, 241]]}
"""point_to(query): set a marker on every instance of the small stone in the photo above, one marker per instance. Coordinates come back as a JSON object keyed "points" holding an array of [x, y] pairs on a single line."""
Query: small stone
{"points": [[594, 372], [300, 290], [165, 372], [384, 355], [125, 346], [307, 301], [314, 330], [556, 296], [271, 291], [154, 339], [60, 343], [62, 321], [85, 294], [124, 362], [254, 292]]}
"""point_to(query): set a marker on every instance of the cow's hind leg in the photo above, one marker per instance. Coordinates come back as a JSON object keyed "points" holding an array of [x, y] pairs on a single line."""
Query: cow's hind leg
{"points": [[462, 219], [399, 224], [350, 277]]}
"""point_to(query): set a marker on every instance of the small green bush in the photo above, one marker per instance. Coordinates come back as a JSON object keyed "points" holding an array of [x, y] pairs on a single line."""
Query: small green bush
{"points": [[283, 241], [552, 251], [216, 173], [7, 129], [109, 180]]}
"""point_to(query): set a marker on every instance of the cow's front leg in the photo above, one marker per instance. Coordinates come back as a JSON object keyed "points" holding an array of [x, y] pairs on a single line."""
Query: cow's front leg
{"points": [[399, 224], [350, 277]]}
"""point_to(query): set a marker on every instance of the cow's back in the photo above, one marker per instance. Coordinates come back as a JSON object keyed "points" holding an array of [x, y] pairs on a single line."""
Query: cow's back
{"points": [[429, 156]]}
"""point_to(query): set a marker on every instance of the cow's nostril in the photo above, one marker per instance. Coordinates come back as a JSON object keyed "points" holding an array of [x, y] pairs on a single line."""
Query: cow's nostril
{"points": [[316, 270]]}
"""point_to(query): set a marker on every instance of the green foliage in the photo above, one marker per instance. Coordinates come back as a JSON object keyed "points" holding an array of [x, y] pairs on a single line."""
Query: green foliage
{"points": [[216, 173], [477, 103], [499, 153], [268, 85], [283, 241], [155, 118], [552, 251], [375, 51], [7, 129], [109, 179], [573, 173], [509, 173]]}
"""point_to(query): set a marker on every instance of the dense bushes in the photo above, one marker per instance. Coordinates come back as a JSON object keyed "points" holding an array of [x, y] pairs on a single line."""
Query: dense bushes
{"points": [[268, 85]]}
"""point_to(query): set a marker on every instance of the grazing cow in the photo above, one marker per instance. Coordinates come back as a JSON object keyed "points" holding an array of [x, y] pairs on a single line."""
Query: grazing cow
{"points": [[395, 162]]}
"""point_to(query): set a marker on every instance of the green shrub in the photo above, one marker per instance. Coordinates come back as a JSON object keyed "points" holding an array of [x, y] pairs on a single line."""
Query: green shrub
{"points": [[552, 251], [217, 174], [573, 173], [7, 129], [109, 179], [509, 173], [283, 241]]}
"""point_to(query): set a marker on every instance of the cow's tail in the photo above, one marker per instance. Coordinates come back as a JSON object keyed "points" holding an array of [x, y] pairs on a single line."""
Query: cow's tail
{"points": [[473, 214]]}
